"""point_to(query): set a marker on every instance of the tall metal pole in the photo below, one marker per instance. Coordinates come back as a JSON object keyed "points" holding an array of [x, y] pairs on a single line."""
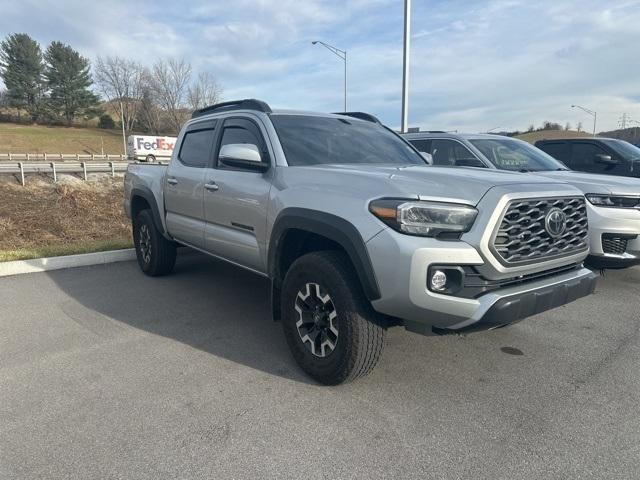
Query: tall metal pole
{"points": [[124, 139], [345, 81], [590, 112], [405, 66], [340, 54]]}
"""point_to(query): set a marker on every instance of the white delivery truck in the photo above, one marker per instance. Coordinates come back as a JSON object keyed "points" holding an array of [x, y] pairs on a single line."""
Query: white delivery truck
{"points": [[147, 148]]}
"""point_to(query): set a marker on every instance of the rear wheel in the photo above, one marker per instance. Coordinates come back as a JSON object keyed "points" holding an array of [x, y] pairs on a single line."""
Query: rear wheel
{"points": [[150, 158], [329, 326], [156, 255]]}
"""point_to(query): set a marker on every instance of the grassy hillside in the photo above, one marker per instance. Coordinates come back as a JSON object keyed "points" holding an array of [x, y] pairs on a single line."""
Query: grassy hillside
{"points": [[41, 139], [533, 137]]}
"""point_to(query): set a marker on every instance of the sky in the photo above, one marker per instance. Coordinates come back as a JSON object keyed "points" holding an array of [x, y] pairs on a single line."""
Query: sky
{"points": [[475, 65]]}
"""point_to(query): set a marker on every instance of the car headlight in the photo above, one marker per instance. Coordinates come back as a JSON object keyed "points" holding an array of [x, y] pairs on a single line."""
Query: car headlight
{"points": [[426, 219], [614, 201]]}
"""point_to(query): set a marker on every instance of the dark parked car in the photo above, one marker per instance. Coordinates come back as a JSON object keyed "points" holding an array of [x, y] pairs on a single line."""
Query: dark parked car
{"points": [[608, 156]]}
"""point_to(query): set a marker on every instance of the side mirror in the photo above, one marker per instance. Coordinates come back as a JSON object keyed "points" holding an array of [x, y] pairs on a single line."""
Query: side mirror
{"points": [[605, 159], [242, 155], [427, 157]]}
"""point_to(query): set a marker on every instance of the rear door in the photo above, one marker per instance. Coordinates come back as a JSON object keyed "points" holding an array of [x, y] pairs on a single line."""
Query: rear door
{"points": [[236, 199], [184, 184]]}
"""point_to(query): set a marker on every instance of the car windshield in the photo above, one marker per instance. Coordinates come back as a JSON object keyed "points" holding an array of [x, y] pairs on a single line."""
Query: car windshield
{"points": [[625, 149], [316, 140], [507, 154]]}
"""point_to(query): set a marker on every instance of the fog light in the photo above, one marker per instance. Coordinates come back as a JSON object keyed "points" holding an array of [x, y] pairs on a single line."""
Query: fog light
{"points": [[438, 280]]}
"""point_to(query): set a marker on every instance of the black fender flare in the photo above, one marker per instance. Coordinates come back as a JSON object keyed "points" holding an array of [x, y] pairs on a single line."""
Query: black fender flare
{"points": [[332, 227], [146, 193]]}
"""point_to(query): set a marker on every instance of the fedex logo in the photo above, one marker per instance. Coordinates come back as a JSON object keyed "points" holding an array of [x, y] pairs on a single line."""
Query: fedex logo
{"points": [[158, 144]]}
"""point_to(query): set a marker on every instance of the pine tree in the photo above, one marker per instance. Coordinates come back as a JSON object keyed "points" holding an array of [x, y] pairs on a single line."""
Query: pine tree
{"points": [[68, 78], [21, 70]]}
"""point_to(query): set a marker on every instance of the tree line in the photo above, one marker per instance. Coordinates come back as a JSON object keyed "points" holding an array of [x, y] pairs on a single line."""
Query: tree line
{"points": [[58, 85]]}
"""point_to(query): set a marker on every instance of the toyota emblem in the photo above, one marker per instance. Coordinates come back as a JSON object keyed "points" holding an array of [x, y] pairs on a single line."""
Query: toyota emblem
{"points": [[555, 223]]}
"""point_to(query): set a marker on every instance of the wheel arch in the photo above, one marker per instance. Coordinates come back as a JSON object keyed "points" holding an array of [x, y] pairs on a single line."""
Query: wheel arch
{"points": [[297, 231], [142, 197]]}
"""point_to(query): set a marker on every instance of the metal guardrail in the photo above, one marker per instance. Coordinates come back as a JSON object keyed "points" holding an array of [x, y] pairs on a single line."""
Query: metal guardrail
{"points": [[54, 168], [48, 157]]}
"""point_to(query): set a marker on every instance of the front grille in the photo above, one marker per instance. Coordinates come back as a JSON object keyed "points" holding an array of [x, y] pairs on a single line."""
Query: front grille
{"points": [[614, 244], [523, 238]]}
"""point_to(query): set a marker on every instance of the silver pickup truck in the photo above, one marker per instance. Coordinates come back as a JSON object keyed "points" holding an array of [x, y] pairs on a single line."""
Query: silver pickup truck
{"points": [[355, 232]]}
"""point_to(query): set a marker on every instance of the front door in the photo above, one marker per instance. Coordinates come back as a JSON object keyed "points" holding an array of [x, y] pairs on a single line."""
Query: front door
{"points": [[236, 199]]}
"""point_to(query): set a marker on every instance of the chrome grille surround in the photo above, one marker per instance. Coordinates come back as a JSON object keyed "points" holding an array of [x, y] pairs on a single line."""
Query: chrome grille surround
{"points": [[522, 239]]}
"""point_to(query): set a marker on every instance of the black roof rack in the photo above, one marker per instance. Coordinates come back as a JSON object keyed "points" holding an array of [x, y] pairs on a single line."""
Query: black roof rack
{"points": [[246, 104], [361, 115]]}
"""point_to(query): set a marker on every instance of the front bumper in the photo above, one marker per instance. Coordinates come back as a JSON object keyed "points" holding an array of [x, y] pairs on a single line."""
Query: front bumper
{"points": [[514, 307], [401, 265], [613, 222]]}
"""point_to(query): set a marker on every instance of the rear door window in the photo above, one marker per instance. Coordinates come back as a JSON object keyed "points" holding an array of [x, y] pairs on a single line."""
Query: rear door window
{"points": [[558, 150], [196, 147]]}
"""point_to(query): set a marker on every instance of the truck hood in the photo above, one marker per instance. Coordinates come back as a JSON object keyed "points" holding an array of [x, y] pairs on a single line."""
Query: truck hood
{"points": [[595, 183], [458, 184]]}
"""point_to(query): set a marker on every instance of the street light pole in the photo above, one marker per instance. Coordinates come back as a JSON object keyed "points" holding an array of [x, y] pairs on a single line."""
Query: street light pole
{"points": [[340, 54], [124, 138], [590, 112], [405, 66]]}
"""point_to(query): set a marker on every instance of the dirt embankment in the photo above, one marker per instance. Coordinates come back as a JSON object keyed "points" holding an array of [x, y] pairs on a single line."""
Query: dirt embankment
{"points": [[45, 218]]}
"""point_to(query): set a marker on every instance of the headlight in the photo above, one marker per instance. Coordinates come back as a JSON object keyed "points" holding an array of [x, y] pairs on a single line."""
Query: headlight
{"points": [[426, 219], [614, 201]]}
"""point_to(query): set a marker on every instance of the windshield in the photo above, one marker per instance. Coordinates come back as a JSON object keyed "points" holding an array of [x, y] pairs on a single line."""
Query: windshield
{"points": [[310, 140], [625, 149], [517, 156]]}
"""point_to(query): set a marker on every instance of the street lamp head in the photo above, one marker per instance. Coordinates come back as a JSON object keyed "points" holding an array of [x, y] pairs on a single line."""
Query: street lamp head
{"points": [[573, 106], [314, 42]]}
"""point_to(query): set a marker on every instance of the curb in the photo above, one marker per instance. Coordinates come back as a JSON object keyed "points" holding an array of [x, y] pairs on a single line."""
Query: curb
{"points": [[34, 265]]}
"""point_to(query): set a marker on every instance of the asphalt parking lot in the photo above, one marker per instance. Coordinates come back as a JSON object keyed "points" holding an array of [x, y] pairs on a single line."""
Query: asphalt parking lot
{"points": [[105, 373]]}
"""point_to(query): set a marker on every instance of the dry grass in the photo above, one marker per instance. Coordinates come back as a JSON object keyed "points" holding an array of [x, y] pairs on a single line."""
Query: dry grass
{"points": [[16, 138], [533, 137], [46, 219]]}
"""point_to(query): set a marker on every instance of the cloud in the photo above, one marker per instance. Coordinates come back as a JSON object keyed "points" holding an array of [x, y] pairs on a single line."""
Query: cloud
{"points": [[474, 65]]}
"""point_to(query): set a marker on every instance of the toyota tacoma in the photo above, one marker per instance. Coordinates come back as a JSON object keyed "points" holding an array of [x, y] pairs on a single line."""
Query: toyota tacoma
{"points": [[355, 232]]}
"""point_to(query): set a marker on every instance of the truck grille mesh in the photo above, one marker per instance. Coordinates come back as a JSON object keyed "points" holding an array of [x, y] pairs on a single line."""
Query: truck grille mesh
{"points": [[615, 245], [523, 238]]}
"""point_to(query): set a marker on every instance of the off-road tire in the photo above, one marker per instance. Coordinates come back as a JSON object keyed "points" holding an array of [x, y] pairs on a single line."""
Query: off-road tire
{"points": [[360, 338], [156, 255]]}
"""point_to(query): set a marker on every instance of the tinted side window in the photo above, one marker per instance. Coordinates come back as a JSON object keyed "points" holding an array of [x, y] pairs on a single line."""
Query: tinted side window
{"points": [[583, 157], [422, 145], [557, 150], [449, 152], [195, 150]]}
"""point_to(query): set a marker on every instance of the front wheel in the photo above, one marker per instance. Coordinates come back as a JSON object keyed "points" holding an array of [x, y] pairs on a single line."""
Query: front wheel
{"points": [[150, 158], [329, 326], [156, 255]]}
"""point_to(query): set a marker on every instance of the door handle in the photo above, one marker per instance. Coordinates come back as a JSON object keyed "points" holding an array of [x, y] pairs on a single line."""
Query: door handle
{"points": [[212, 187], [172, 181]]}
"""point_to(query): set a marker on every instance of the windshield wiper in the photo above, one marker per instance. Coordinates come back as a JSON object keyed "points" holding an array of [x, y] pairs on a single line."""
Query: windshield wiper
{"points": [[525, 170]]}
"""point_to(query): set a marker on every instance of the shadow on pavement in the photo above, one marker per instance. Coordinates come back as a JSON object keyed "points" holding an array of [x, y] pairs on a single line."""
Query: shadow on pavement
{"points": [[205, 303]]}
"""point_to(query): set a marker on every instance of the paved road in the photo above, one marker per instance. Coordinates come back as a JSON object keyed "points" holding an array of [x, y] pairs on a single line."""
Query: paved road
{"points": [[105, 373]]}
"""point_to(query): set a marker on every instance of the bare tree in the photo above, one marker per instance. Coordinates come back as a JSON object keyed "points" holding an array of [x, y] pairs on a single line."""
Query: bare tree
{"points": [[149, 117], [169, 82], [204, 91], [579, 127], [122, 83]]}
